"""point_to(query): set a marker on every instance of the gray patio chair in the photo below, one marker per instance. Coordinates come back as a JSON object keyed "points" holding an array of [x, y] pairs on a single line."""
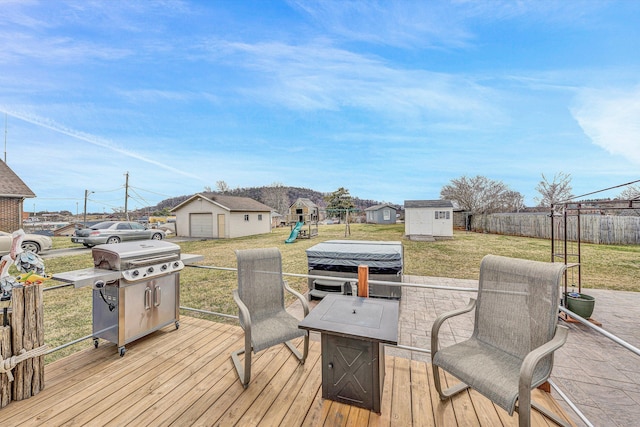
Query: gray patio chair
{"points": [[260, 299], [515, 334]]}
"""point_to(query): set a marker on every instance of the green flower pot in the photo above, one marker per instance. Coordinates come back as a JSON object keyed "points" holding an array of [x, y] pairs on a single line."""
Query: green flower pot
{"points": [[582, 305]]}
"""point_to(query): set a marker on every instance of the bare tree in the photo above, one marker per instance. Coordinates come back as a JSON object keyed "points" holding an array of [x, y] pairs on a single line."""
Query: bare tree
{"points": [[555, 191], [632, 192], [222, 187], [276, 197], [482, 195]]}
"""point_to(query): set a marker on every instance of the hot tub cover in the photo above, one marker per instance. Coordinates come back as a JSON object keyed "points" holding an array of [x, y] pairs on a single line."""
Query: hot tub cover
{"points": [[347, 255]]}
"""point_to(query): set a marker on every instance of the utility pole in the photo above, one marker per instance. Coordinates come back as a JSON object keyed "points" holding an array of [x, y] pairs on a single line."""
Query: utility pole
{"points": [[86, 195], [126, 195]]}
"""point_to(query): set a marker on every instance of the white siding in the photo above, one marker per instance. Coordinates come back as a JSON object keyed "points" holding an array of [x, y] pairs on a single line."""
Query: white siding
{"points": [[239, 227], [422, 222], [234, 223]]}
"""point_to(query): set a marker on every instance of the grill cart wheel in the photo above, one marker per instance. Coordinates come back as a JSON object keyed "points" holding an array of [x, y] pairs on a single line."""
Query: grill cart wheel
{"points": [[177, 324], [95, 342], [122, 351]]}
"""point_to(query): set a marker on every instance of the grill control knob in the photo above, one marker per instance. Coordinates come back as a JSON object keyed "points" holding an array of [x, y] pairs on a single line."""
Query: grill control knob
{"points": [[176, 264], [164, 267], [150, 270], [135, 273]]}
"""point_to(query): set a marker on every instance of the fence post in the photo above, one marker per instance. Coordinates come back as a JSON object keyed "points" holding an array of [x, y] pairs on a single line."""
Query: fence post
{"points": [[363, 280]]}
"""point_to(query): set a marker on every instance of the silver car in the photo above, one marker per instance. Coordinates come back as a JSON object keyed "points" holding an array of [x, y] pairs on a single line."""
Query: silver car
{"points": [[115, 232], [31, 243]]}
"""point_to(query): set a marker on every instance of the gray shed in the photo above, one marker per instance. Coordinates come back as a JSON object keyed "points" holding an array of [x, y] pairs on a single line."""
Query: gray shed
{"points": [[381, 214]]}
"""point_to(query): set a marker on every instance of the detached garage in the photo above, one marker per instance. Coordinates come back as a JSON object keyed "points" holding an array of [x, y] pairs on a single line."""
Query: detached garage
{"points": [[428, 220], [216, 216]]}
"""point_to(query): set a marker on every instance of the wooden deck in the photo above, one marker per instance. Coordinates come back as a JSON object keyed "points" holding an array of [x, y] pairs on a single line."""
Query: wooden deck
{"points": [[185, 377]]}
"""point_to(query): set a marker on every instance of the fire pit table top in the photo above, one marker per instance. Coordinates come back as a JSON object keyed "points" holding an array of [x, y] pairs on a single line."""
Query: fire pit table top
{"points": [[365, 318]]}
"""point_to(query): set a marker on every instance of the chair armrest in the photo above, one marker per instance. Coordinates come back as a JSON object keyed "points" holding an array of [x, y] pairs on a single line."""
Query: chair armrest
{"points": [[531, 360], [298, 295], [245, 317], [440, 320]]}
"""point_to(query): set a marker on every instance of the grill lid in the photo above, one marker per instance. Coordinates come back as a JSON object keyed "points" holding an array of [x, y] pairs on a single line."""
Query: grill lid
{"points": [[127, 255]]}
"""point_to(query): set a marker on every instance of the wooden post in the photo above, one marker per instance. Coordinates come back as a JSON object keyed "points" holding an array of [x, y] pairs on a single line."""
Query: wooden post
{"points": [[17, 327], [27, 328], [5, 352], [363, 280]]}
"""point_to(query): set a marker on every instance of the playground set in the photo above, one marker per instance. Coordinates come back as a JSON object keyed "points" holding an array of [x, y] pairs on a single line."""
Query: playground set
{"points": [[305, 215]]}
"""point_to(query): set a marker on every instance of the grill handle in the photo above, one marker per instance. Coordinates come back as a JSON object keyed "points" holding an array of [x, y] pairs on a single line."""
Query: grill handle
{"points": [[147, 298], [157, 296], [156, 259]]}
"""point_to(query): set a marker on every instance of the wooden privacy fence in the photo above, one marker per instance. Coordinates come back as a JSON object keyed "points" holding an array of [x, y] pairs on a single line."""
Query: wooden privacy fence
{"points": [[600, 229]]}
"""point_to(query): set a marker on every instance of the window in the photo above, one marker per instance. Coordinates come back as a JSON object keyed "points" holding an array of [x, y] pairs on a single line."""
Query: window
{"points": [[246, 218], [259, 217], [442, 215], [386, 214]]}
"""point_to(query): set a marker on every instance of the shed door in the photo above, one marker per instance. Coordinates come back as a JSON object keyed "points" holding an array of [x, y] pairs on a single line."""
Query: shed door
{"points": [[201, 225]]}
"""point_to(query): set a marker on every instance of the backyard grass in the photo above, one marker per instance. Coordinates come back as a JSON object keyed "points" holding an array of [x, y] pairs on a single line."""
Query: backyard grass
{"points": [[68, 310]]}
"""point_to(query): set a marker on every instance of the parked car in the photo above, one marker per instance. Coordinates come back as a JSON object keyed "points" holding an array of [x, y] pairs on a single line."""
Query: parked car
{"points": [[32, 242], [115, 232]]}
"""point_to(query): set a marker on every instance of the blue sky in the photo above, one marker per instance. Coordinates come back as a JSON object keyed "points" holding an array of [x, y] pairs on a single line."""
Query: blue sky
{"points": [[390, 99]]}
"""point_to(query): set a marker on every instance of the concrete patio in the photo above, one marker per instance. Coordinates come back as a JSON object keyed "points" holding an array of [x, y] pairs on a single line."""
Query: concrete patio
{"points": [[599, 376]]}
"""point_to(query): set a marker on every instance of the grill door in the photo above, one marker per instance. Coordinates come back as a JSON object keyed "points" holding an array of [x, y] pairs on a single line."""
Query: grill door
{"points": [[148, 306]]}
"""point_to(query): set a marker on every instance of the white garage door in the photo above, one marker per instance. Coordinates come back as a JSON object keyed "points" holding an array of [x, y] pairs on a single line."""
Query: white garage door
{"points": [[201, 225]]}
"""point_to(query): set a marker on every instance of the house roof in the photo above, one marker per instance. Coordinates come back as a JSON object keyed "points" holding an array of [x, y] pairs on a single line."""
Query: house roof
{"points": [[11, 185], [230, 203], [428, 204], [378, 207]]}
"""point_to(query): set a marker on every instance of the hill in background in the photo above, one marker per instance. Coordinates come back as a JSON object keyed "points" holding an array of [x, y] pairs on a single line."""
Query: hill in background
{"points": [[277, 197]]}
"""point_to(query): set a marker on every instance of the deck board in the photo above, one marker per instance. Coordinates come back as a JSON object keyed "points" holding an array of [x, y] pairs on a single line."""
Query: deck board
{"points": [[185, 377]]}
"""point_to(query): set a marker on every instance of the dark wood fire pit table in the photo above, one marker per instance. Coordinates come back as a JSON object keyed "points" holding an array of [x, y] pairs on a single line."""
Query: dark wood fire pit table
{"points": [[353, 333]]}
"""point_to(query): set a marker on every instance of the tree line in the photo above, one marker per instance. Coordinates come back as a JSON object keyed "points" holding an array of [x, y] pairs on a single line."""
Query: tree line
{"points": [[481, 195], [477, 195]]}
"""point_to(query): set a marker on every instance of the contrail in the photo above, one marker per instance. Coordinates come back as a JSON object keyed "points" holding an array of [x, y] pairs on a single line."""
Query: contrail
{"points": [[94, 140]]}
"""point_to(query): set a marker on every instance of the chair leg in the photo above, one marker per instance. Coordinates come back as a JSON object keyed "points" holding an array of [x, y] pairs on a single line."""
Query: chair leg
{"points": [[305, 351], [446, 394], [553, 417], [524, 411], [244, 373]]}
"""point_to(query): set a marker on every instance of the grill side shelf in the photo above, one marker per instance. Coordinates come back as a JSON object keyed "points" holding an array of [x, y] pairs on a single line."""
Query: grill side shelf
{"points": [[87, 276]]}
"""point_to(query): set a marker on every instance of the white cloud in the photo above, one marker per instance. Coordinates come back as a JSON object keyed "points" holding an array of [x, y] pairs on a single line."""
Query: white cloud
{"points": [[95, 140], [319, 76], [432, 24], [611, 119]]}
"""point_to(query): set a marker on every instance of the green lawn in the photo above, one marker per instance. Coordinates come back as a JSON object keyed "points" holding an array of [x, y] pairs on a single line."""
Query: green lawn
{"points": [[68, 310]]}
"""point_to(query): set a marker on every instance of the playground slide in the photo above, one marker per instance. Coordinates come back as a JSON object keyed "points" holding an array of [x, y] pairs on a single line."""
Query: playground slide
{"points": [[294, 233]]}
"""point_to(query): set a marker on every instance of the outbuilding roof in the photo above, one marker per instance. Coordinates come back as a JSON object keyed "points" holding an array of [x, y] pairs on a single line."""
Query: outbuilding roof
{"points": [[230, 203], [378, 207], [428, 204], [305, 201], [11, 185]]}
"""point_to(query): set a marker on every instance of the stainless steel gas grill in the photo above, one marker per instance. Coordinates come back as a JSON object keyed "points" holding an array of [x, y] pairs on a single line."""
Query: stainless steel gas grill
{"points": [[136, 288]]}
